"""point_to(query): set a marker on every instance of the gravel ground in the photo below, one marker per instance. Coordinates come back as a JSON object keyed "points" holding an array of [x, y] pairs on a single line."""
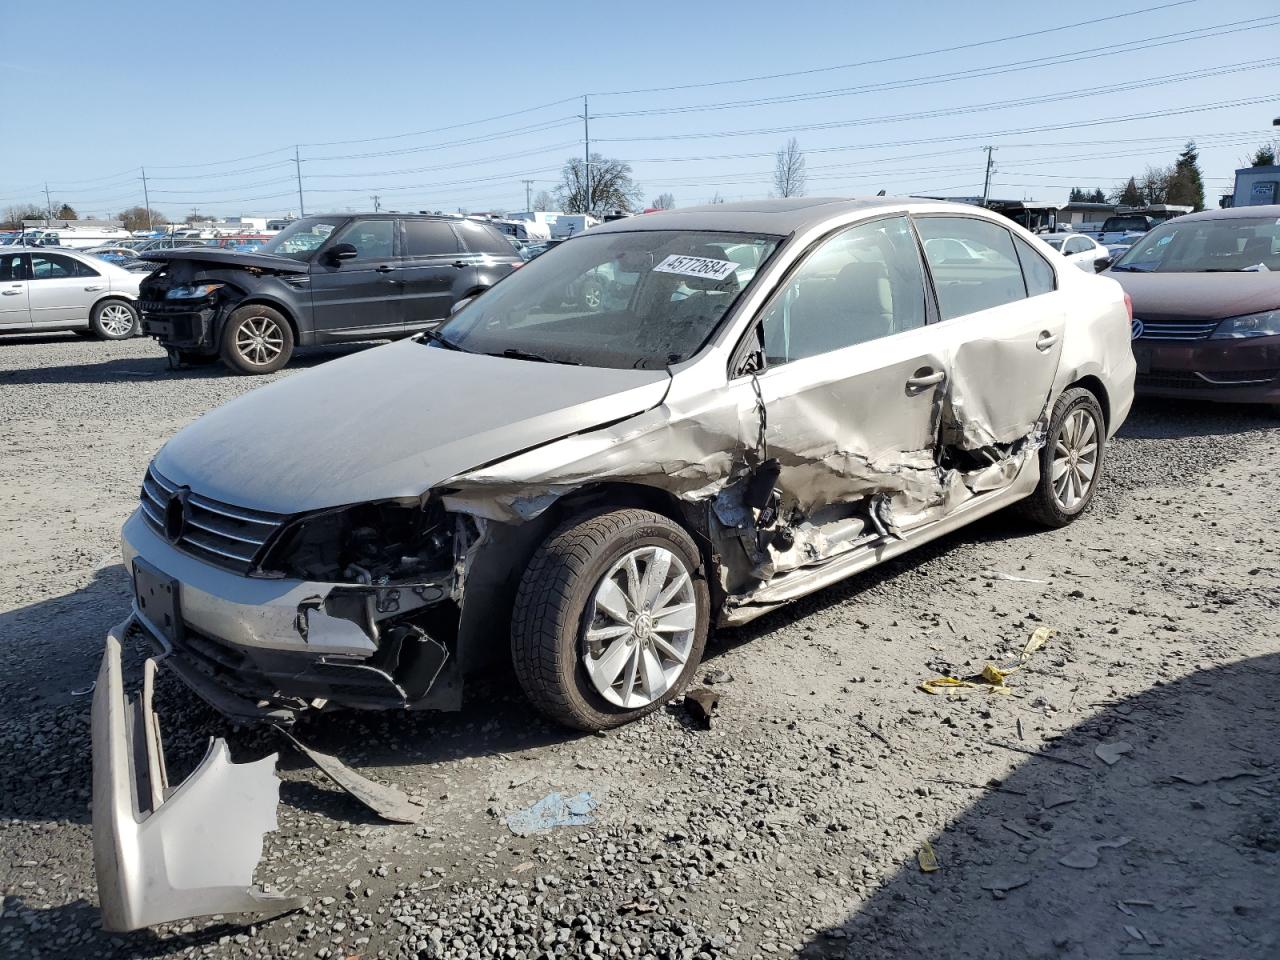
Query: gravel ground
{"points": [[793, 826]]}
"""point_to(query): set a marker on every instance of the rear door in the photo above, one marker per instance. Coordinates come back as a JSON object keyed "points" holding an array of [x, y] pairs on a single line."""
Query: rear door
{"points": [[433, 259], [14, 311], [351, 298], [61, 289], [1002, 319]]}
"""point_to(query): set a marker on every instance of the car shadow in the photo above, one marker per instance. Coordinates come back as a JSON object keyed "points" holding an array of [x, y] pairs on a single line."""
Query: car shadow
{"points": [[1160, 419], [156, 367], [1172, 851]]}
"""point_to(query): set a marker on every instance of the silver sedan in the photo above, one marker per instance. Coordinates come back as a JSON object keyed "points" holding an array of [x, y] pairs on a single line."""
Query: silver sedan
{"points": [[57, 289]]}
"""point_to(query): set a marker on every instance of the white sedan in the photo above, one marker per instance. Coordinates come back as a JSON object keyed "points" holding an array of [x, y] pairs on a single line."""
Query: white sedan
{"points": [[60, 289], [1085, 252]]}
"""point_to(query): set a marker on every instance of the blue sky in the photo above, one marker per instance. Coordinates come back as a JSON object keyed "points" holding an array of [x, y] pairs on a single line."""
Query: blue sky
{"points": [[212, 98]]}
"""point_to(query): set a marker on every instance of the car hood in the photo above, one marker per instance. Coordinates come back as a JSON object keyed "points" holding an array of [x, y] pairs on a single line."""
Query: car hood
{"points": [[392, 422], [1211, 296], [221, 259]]}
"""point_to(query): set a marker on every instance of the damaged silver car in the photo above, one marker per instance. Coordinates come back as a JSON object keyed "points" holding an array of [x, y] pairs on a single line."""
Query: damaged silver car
{"points": [[772, 396]]}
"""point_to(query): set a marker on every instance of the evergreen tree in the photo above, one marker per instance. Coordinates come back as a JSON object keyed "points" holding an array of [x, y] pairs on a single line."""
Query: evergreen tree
{"points": [[1186, 185], [1130, 195]]}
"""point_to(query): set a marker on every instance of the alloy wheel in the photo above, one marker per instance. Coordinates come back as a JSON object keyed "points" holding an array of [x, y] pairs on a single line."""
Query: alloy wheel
{"points": [[640, 627], [116, 319], [259, 340], [1075, 458]]}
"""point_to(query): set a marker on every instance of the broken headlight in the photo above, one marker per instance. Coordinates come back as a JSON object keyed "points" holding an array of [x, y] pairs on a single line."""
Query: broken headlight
{"points": [[372, 543], [196, 291]]}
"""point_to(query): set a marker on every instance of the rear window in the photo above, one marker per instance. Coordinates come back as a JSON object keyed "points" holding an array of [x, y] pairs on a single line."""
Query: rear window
{"points": [[482, 238], [1125, 223], [429, 238]]}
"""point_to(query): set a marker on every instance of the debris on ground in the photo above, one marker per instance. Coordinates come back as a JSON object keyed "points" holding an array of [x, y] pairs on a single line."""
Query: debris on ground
{"points": [[552, 811], [991, 679], [1001, 886], [1038, 638], [1199, 780], [717, 676], [927, 859], [1011, 578], [701, 704], [386, 801], [1086, 856], [1110, 753]]}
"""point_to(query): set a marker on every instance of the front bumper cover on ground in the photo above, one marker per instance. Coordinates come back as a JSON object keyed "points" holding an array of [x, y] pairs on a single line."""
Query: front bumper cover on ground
{"points": [[163, 854]]}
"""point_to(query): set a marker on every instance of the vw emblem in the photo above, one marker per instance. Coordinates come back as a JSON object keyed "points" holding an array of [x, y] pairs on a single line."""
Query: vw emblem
{"points": [[1137, 328], [175, 515]]}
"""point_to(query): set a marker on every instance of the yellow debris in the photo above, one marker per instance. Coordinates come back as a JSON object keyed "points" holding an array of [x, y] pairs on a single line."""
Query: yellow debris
{"points": [[926, 858], [1037, 640]]}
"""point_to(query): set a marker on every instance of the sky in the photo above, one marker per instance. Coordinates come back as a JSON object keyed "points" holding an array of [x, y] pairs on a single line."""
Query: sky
{"points": [[452, 106]]}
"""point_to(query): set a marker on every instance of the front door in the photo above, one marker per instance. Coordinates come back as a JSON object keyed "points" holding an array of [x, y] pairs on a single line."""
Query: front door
{"points": [[61, 289], [433, 259], [1002, 321], [358, 297], [14, 313]]}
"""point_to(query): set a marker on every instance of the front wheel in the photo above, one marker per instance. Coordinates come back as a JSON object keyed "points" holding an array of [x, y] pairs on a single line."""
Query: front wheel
{"points": [[257, 339], [114, 320], [1070, 461], [611, 618]]}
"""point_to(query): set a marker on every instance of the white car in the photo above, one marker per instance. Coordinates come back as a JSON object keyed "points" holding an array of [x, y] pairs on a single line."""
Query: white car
{"points": [[60, 289], [1085, 252]]}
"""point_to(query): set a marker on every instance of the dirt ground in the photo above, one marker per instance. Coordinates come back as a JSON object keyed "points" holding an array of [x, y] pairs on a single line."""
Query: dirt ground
{"points": [[794, 825]]}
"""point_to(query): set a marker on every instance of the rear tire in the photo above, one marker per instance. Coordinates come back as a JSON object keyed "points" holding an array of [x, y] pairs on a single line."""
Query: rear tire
{"points": [[256, 340], [114, 319], [1070, 461], [587, 667]]}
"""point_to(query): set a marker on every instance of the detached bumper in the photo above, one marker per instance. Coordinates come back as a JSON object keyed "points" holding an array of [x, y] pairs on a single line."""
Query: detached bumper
{"points": [[162, 854], [1231, 371], [185, 326]]}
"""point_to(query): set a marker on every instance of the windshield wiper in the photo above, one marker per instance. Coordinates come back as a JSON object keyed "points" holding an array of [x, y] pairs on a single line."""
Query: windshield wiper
{"points": [[511, 353], [1127, 269], [443, 341]]}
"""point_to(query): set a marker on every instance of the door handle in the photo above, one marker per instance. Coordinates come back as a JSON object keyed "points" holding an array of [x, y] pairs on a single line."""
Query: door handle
{"points": [[11, 293], [925, 377], [1046, 341], [93, 287], [385, 267], [461, 264]]}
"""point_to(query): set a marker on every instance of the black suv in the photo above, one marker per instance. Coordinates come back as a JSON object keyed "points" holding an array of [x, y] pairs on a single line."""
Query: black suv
{"points": [[321, 279]]}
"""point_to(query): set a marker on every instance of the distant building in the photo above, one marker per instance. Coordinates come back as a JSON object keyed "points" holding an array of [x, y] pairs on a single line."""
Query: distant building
{"points": [[1256, 186]]}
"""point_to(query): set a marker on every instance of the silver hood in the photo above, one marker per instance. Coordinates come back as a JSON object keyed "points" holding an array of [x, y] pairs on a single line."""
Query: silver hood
{"points": [[392, 422]]}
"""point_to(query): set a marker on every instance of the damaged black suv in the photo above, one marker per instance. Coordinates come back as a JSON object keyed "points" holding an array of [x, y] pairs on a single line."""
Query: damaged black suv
{"points": [[324, 279]]}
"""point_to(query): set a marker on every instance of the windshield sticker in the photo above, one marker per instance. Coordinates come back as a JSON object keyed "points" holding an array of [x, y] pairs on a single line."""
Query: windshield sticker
{"points": [[697, 267], [322, 229]]}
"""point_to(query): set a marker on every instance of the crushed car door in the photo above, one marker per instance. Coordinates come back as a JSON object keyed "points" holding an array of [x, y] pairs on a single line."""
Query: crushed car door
{"points": [[851, 389], [1003, 321], [358, 295]]}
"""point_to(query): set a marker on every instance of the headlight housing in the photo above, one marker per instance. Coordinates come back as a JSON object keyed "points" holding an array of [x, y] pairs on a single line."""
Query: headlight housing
{"points": [[193, 292], [1265, 324]]}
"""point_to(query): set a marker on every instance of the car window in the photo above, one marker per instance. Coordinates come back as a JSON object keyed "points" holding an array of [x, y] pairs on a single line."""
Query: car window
{"points": [[986, 275], [482, 238], [1036, 271], [425, 238], [1212, 245], [864, 283], [371, 238], [51, 266], [11, 267]]}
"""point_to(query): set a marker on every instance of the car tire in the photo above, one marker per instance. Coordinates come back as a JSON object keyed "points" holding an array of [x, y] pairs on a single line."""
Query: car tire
{"points": [[256, 340], [114, 319], [591, 669], [1071, 460]]}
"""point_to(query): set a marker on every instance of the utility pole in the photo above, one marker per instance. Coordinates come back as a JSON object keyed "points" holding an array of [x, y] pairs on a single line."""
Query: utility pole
{"points": [[297, 162], [528, 204], [146, 198], [375, 198], [986, 184], [48, 206], [586, 156]]}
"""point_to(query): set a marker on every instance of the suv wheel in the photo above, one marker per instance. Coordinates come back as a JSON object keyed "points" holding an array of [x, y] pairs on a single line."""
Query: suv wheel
{"points": [[611, 618], [1070, 461], [114, 320], [256, 339]]}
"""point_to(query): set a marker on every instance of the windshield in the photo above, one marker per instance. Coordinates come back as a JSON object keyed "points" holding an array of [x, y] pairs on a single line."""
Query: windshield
{"points": [[644, 299], [1055, 242], [1206, 246], [300, 239]]}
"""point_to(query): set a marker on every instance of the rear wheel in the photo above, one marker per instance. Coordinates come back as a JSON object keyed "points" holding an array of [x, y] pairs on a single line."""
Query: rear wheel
{"points": [[1070, 461], [611, 619], [114, 320], [256, 339]]}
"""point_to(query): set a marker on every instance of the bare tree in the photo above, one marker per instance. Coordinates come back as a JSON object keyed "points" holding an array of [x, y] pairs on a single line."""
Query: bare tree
{"points": [[543, 201], [663, 201], [14, 215], [135, 218], [611, 187], [788, 171], [717, 198]]}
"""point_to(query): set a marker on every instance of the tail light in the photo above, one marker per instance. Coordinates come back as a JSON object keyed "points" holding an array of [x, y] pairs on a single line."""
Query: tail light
{"points": [[1128, 306]]}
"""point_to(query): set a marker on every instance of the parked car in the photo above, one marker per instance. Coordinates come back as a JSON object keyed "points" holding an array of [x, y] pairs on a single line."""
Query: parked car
{"points": [[43, 289], [114, 253], [1085, 252], [1206, 305], [326, 279]]}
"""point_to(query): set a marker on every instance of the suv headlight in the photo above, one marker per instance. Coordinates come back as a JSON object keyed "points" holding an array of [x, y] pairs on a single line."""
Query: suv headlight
{"points": [[196, 292], [1265, 324]]}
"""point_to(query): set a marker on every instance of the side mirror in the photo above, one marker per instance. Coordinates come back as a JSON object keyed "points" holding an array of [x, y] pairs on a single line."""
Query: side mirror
{"points": [[1100, 265], [459, 305], [343, 251]]}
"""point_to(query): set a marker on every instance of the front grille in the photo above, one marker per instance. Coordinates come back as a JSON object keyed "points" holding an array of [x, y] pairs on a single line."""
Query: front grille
{"points": [[1177, 329], [1169, 380], [220, 533]]}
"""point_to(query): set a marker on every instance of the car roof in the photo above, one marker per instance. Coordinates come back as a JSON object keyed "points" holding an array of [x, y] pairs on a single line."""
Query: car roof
{"points": [[779, 217], [1271, 210]]}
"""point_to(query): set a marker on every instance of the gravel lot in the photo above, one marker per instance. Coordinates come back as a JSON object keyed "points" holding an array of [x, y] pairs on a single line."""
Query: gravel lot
{"points": [[792, 826]]}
